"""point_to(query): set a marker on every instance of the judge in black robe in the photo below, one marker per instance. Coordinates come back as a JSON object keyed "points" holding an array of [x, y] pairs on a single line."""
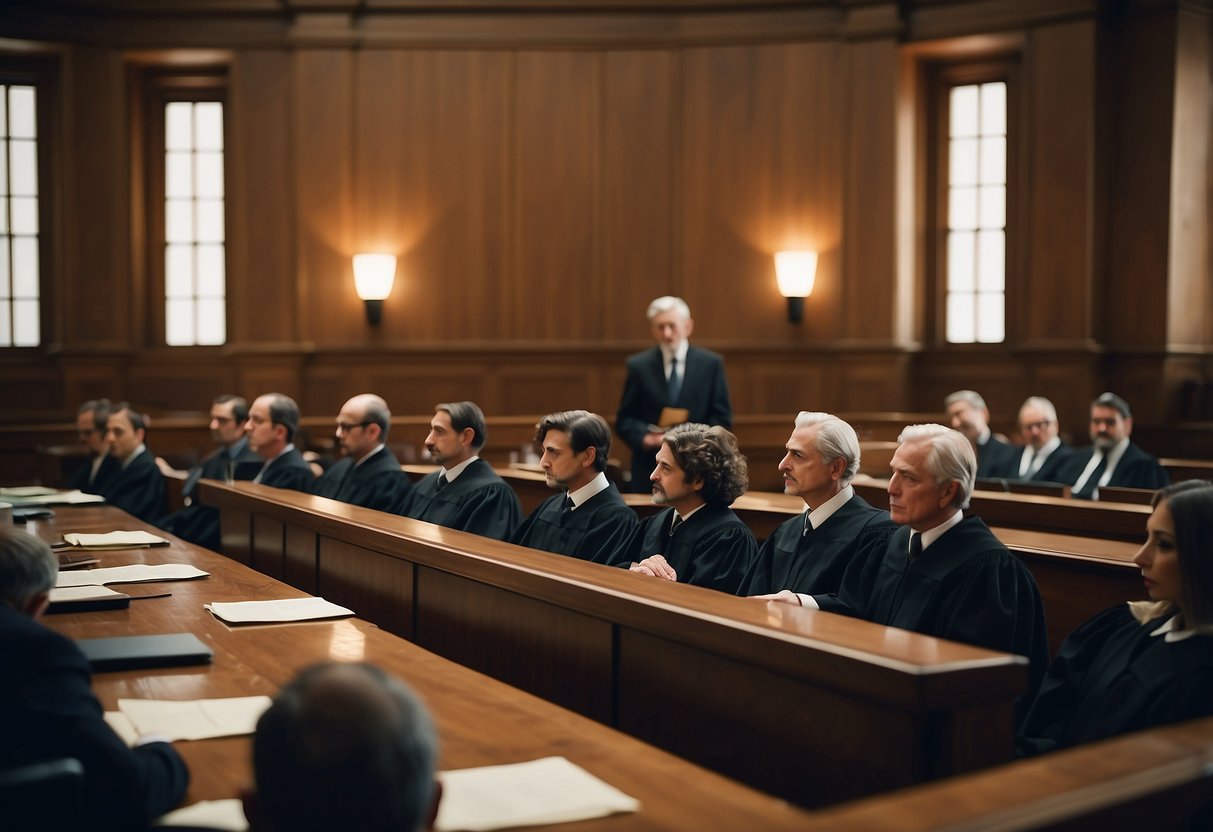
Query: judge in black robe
{"points": [[376, 482], [1135, 469], [137, 487], [197, 522], [1114, 675], [809, 560], [712, 548], [83, 478], [597, 530], [477, 501], [288, 470]]}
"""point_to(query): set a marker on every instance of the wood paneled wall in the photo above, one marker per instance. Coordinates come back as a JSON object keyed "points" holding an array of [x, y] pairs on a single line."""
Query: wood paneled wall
{"points": [[543, 173]]}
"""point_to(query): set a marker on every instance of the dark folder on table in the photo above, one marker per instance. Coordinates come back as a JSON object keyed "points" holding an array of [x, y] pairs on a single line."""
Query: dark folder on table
{"points": [[129, 652]]}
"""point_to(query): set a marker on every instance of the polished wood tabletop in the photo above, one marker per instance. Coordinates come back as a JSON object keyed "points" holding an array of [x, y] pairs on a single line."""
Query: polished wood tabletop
{"points": [[481, 721]]}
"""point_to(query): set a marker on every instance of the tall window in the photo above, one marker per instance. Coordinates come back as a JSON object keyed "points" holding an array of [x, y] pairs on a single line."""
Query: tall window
{"points": [[194, 271], [20, 271]]}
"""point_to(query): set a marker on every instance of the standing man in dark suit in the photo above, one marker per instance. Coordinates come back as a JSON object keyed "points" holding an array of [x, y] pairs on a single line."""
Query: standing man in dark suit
{"points": [[48, 712], [967, 413], [232, 460], [91, 419], [1044, 454], [686, 383], [810, 553], [272, 422], [137, 487], [1112, 459], [369, 475]]}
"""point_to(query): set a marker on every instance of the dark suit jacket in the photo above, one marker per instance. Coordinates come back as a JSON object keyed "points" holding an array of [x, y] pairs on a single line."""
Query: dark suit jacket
{"points": [[997, 459], [199, 523], [378, 483], [705, 394], [47, 712], [79, 478], [289, 471], [1136, 469], [1054, 465], [138, 488]]}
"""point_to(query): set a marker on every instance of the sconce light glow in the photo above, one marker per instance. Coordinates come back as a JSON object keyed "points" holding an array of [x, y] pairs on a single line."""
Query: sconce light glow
{"points": [[795, 272], [374, 275]]}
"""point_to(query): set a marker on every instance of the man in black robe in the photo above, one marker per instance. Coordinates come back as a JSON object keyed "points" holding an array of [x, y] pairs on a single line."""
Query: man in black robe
{"points": [[370, 474], [698, 539], [586, 518], [1112, 459], [272, 422], [91, 420], [232, 460], [967, 413], [810, 552], [670, 379], [465, 493], [137, 487], [48, 711], [943, 574], [1044, 455]]}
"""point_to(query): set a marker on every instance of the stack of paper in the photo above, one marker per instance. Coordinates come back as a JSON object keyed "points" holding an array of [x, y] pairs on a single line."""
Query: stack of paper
{"points": [[115, 540], [36, 495], [132, 574], [291, 609]]}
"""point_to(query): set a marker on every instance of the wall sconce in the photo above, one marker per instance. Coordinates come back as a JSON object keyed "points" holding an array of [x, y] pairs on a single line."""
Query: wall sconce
{"points": [[374, 275], [795, 272]]}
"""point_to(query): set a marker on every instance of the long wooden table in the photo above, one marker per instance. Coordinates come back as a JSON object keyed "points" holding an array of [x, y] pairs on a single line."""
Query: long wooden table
{"points": [[734, 684], [480, 721]]}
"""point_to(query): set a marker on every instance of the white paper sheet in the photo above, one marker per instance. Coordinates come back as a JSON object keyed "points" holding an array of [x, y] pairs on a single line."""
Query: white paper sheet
{"points": [[290, 609], [57, 498], [27, 491], [81, 593], [548, 790], [122, 726], [195, 720], [133, 574], [114, 540], [227, 815]]}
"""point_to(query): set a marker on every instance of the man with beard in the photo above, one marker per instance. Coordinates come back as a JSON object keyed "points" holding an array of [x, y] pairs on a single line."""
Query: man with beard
{"points": [[465, 493], [697, 539], [1112, 458], [233, 460], [810, 553], [586, 518], [370, 474]]}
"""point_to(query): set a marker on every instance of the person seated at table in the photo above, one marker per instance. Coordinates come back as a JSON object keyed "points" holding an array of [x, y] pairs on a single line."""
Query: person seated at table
{"points": [[344, 746], [91, 420], [272, 423], [944, 574], [137, 487], [1044, 455], [48, 711], [1144, 663], [369, 475], [232, 460], [465, 493], [587, 518], [1112, 459], [697, 539], [967, 413], [810, 552]]}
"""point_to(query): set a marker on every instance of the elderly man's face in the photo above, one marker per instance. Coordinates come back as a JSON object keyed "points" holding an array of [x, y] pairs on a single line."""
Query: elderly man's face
{"points": [[121, 435], [969, 420], [915, 497], [1036, 428], [670, 329], [1108, 427]]}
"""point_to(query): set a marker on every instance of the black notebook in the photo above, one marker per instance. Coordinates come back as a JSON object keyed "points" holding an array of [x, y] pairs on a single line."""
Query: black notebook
{"points": [[130, 652]]}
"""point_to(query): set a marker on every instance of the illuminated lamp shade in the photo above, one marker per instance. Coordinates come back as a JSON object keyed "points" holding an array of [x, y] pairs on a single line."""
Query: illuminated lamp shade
{"points": [[795, 272], [374, 275]]}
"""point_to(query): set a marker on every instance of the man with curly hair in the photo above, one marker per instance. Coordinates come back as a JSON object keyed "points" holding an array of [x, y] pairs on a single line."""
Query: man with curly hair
{"points": [[697, 539]]}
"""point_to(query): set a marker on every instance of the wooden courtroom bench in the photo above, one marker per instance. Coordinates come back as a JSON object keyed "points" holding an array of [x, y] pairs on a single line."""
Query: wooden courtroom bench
{"points": [[480, 721], [730, 683]]}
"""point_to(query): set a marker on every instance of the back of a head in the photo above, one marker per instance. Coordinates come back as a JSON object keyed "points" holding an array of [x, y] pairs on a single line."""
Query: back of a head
{"points": [[28, 568], [950, 459], [345, 746], [466, 415]]}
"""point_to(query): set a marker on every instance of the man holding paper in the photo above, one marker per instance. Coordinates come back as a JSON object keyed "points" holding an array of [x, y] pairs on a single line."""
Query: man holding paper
{"points": [[48, 711], [667, 385]]}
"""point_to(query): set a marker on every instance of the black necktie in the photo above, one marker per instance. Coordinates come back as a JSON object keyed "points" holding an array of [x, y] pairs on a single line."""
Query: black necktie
{"points": [[675, 382], [808, 527], [915, 547], [1087, 492], [569, 505], [441, 481]]}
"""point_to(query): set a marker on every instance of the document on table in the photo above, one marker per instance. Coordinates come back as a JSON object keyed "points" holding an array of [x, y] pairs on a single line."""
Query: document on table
{"points": [[548, 790], [226, 815], [27, 491], [195, 720], [289, 609], [55, 498], [114, 540], [132, 574]]}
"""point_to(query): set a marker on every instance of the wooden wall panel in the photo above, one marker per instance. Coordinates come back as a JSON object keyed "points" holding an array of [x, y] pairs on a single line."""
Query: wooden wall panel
{"points": [[261, 287], [761, 172], [1055, 302]]}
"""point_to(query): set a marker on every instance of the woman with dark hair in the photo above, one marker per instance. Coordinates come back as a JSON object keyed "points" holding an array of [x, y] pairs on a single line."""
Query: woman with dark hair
{"points": [[1145, 663]]}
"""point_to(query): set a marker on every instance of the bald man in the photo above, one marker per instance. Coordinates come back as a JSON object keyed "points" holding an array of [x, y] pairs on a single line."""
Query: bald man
{"points": [[370, 474]]}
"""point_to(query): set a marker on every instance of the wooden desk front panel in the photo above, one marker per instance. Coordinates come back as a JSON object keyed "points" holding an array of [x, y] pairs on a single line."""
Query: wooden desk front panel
{"points": [[267, 553], [300, 559], [806, 743], [236, 534], [376, 586], [555, 652]]}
